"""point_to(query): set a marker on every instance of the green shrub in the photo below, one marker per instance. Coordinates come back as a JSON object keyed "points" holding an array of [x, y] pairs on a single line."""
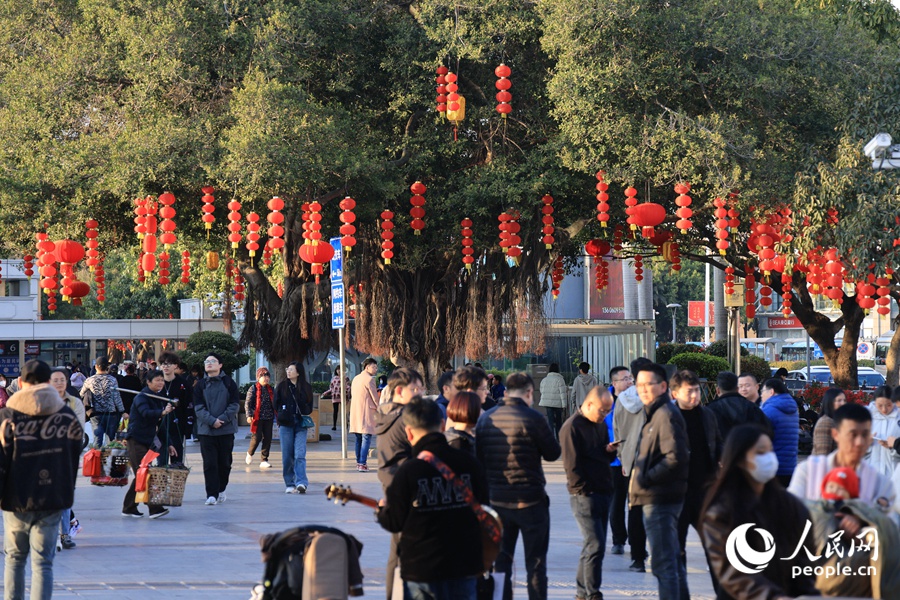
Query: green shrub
{"points": [[796, 365], [665, 352], [704, 365], [866, 363], [720, 348], [756, 365], [202, 343], [320, 387]]}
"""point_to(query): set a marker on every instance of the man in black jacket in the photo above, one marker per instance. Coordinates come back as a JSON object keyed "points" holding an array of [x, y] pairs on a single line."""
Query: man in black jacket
{"points": [[659, 479], [512, 440], [731, 408], [587, 454], [40, 443], [175, 388], [440, 549]]}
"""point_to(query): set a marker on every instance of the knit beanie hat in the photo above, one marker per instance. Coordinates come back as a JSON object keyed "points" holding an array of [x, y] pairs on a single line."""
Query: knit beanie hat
{"points": [[262, 371], [844, 478]]}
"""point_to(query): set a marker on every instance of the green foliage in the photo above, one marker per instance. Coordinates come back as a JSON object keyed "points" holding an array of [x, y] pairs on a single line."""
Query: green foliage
{"points": [[756, 365], [676, 287], [705, 366], [320, 387], [720, 348], [665, 352], [796, 365], [199, 345]]}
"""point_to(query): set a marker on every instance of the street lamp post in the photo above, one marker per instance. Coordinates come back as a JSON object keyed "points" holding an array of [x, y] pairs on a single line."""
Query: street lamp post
{"points": [[674, 308]]}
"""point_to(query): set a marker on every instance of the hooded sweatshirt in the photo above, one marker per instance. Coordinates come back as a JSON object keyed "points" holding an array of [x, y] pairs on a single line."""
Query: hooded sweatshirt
{"points": [[584, 383], [392, 444], [40, 443], [628, 420], [781, 410]]}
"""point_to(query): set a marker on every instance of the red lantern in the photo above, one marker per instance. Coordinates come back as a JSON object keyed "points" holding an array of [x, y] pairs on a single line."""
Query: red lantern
{"points": [[721, 214], [864, 293], [733, 212], [750, 291], [630, 203], [348, 217], [148, 263], [618, 233], [452, 95], [683, 201], [314, 220], [786, 294], [46, 260], [80, 289], [729, 280], [140, 211], [884, 295], [267, 253], [253, 227], [467, 243], [503, 84], [418, 206], [638, 268], [602, 200], [504, 232], [647, 216], [164, 268], [167, 226], [68, 251], [597, 248], [556, 276], [234, 224], [547, 219], [515, 250], [208, 208], [51, 301], [100, 279], [28, 266], [387, 235], [91, 243], [239, 284], [441, 89], [186, 267], [276, 218]]}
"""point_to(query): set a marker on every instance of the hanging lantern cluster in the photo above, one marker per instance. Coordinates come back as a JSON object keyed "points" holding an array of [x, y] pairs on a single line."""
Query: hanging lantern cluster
{"points": [[733, 212], [630, 204], [884, 295], [456, 104], [348, 229], [638, 268], [602, 200], [786, 298], [865, 293], [234, 224], [556, 276], [149, 245], [28, 266], [598, 249], [721, 214], [618, 235], [47, 269], [441, 89], [164, 268], [683, 201], [387, 236], [208, 208], [834, 276], [253, 236], [275, 219], [514, 250], [647, 216], [503, 84], [92, 243], [750, 291], [417, 212], [67, 252], [314, 250], [547, 219], [467, 242], [267, 253], [186, 266], [100, 280], [304, 219], [504, 232], [167, 226]]}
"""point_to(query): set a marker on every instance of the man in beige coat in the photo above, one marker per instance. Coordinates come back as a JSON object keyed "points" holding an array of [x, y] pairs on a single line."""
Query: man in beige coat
{"points": [[363, 408]]}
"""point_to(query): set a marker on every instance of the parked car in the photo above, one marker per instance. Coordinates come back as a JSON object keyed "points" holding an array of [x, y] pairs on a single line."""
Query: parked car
{"points": [[867, 377]]}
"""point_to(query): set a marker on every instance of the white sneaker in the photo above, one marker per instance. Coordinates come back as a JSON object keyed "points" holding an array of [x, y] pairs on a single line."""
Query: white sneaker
{"points": [[248, 459], [301, 489], [221, 498], [211, 500], [290, 490], [265, 465]]}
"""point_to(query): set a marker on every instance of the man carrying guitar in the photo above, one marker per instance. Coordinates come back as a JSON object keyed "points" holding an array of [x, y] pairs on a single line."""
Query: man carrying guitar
{"points": [[440, 547]]}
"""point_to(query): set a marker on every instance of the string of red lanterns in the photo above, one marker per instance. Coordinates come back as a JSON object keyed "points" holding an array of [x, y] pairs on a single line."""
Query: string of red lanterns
{"points": [[186, 266], [167, 226], [234, 225], [208, 208], [164, 268], [630, 204], [347, 229], [683, 201], [441, 89], [275, 218], [514, 251], [547, 219], [721, 214], [602, 199], [387, 236], [750, 291], [253, 236], [504, 97], [467, 243], [417, 212], [556, 276], [92, 243], [100, 280]]}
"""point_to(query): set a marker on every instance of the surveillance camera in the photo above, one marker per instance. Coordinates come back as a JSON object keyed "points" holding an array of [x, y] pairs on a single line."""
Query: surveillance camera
{"points": [[877, 145]]}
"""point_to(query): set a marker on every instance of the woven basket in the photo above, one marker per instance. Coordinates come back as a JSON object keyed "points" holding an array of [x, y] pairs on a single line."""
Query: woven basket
{"points": [[115, 469], [166, 486]]}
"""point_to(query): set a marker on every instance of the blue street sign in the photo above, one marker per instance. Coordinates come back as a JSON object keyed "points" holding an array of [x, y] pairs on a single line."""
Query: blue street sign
{"points": [[337, 305], [337, 261]]}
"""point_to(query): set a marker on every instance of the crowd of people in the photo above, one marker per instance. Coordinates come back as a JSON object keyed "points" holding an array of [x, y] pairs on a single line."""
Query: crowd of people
{"points": [[645, 460]]}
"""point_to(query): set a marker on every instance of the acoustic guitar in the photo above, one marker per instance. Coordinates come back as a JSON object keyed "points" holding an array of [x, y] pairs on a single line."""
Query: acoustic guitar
{"points": [[488, 520]]}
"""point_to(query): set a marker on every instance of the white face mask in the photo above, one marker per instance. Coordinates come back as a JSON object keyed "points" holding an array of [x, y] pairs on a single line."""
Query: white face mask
{"points": [[766, 467]]}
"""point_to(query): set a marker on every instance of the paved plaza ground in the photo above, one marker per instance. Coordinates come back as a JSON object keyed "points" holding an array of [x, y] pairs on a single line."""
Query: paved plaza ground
{"points": [[207, 552]]}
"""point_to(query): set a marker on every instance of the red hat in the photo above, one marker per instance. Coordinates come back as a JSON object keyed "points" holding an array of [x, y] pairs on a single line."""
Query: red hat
{"points": [[844, 477]]}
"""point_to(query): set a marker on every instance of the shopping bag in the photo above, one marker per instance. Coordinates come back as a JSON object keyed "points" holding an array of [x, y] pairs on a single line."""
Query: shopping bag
{"points": [[92, 466], [143, 472], [142, 496]]}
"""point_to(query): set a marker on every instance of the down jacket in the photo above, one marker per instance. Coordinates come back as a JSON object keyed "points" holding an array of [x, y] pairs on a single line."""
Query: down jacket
{"points": [[661, 468], [512, 438], [554, 392], [782, 412]]}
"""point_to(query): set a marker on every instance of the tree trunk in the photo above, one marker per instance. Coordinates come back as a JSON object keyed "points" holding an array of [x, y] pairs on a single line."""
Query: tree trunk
{"points": [[892, 362]]}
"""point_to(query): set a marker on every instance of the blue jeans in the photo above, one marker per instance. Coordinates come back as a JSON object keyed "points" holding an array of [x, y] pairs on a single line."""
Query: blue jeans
{"points": [[293, 455], [661, 524], [36, 532], [534, 523], [105, 424], [65, 521], [448, 589], [592, 515], [363, 441]]}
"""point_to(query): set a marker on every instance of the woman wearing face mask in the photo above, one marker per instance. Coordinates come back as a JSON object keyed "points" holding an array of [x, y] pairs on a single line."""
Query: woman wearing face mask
{"points": [[3, 395], [823, 442], [746, 494], [885, 430]]}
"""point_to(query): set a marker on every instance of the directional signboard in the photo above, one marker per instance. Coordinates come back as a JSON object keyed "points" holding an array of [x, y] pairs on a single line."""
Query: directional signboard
{"points": [[337, 285]]}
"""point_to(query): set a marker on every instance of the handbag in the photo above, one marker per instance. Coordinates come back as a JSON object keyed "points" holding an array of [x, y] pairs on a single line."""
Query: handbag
{"points": [[307, 422]]}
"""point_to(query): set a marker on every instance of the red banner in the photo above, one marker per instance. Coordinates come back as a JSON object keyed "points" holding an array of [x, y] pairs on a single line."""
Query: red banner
{"points": [[696, 314], [784, 323]]}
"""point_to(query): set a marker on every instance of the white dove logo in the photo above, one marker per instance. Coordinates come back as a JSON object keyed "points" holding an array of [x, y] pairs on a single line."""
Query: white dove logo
{"points": [[744, 558]]}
